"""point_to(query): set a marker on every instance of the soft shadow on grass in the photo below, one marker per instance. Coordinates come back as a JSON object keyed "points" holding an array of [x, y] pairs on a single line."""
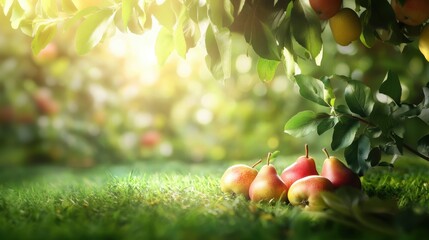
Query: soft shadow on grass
{"points": [[171, 200]]}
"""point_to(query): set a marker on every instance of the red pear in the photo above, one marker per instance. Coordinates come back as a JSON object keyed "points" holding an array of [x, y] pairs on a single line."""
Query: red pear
{"points": [[306, 191], [237, 179], [304, 166], [268, 185], [325, 9], [339, 174]]}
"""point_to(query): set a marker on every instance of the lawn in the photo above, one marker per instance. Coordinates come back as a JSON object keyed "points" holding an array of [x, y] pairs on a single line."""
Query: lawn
{"points": [[172, 200]]}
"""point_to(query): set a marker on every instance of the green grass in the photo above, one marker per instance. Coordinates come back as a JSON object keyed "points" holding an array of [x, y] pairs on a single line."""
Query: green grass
{"points": [[178, 201]]}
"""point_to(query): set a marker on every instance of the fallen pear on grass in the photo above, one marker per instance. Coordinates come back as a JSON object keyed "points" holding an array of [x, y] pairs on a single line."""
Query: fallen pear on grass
{"points": [[237, 179], [304, 166], [338, 173], [306, 192], [268, 186]]}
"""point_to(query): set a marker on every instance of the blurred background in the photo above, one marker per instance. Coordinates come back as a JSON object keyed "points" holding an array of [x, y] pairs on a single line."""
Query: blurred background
{"points": [[118, 105]]}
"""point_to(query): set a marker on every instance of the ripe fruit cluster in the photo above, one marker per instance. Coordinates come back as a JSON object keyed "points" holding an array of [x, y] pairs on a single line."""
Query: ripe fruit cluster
{"points": [[299, 183], [346, 26]]}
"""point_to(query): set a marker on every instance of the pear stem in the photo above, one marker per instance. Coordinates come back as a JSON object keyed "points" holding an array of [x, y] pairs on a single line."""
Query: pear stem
{"points": [[256, 163], [326, 152], [268, 158], [306, 150]]}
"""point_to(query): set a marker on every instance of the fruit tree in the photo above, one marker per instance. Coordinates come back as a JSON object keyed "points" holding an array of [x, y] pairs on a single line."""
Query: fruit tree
{"points": [[369, 119]]}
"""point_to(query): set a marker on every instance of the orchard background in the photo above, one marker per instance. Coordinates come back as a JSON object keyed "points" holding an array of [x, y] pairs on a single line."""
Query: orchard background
{"points": [[85, 84], [195, 76]]}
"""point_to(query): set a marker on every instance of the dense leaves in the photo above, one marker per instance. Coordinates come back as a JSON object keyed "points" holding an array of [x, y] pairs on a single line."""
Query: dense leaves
{"points": [[364, 126]]}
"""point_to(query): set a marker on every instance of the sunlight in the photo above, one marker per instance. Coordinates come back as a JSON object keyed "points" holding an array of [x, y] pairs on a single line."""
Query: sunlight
{"points": [[137, 54]]}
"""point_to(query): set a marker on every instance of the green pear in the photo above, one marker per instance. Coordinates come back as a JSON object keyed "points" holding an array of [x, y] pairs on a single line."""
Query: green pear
{"points": [[339, 174], [268, 185], [303, 167], [237, 179], [305, 192]]}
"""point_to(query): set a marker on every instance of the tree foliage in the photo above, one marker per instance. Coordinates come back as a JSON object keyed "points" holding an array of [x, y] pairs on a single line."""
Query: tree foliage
{"points": [[284, 33]]}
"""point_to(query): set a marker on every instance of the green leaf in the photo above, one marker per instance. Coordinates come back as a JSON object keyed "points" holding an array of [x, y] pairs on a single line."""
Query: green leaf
{"points": [[220, 12], [306, 28], [43, 36], [127, 10], [7, 5], [326, 124], [50, 8], [164, 45], [344, 133], [392, 87], [267, 69], [357, 153], [137, 21], [68, 23], [289, 63], [259, 35], [164, 13], [17, 16], [328, 91], [374, 156], [68, 6], [191, 32], [179, 36], [359, 98], [368, 32], [218, 56], [425, 101], [92, 29], [415, 128], [311, 88], [304, 123]]}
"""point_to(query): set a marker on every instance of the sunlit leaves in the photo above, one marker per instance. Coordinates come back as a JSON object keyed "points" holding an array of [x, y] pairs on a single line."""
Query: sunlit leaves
{"points": [[164, 45], [17, 14], [267, 68], [164, 13], [218, 57], [92, 29], [127, 9], [220, 12], [7, 5], [45, 33]]}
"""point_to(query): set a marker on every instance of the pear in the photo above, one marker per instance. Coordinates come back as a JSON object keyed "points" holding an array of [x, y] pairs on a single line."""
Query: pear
{"points": [[305, 192], [268, 186], [237, 179], [304, 166], [339, 174]]}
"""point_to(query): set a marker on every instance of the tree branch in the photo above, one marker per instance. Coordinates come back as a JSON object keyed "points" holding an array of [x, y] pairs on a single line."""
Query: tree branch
{"points": [[409, 148], [406, 146]]}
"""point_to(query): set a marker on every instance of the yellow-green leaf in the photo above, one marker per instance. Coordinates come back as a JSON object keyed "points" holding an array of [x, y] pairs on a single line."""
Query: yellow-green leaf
{"points": [[92, 29], [43, 36]]}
